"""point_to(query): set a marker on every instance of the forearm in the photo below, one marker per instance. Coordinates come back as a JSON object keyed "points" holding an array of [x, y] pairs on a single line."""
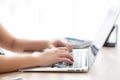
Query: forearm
{"points": [[9, 42], [16, 62], [29, 45]]}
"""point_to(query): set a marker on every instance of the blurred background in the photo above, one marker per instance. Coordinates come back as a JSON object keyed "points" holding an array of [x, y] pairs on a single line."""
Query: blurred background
{"points": [[48, 19]]}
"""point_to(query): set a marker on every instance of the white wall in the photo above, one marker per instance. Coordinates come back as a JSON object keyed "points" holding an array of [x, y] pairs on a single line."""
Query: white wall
{"points": [[38, 19]]}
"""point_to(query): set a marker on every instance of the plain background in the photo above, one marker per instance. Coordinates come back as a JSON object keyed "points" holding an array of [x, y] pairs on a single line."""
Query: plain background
{"points": [[46, 19]]}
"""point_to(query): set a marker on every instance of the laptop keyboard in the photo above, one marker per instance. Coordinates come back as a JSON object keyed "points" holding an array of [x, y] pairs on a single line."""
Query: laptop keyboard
{"points": [[77, 56]]}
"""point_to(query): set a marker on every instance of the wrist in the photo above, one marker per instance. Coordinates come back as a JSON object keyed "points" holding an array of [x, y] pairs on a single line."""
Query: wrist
{"points": [[37, 58]]}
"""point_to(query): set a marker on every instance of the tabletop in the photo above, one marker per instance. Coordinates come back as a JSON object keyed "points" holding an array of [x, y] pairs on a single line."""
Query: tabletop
{"points": [[106, 67]]}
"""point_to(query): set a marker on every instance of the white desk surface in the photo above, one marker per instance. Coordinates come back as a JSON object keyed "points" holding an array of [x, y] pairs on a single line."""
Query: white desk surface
{"points": [[106, 67]]}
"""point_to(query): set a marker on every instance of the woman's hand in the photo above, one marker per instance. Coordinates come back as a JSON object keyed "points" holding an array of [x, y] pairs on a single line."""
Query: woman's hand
{"points": [[54, 55], [61, 43]]}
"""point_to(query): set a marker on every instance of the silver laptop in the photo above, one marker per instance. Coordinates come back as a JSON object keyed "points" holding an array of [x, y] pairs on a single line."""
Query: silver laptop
{"points": [[84, 58]]}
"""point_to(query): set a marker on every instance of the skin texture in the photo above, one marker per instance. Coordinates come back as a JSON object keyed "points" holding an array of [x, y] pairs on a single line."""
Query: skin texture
{"points": [[52, 51]]}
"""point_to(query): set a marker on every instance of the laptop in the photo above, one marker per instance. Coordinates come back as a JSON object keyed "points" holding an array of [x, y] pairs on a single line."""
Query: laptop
{"points": [[84, 58]]}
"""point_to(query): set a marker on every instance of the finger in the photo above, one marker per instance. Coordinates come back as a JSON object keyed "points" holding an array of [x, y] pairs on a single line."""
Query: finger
{"points": [[69, 47], [62, 48], [67, 55], [66, 60], [63, 43]]}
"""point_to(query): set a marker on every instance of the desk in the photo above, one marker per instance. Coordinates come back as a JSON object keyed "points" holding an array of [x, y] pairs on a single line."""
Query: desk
{"points": [[106, 67]]}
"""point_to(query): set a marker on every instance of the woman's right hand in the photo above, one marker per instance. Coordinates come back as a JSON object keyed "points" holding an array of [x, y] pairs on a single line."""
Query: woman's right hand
{"points": [[54, 55]]}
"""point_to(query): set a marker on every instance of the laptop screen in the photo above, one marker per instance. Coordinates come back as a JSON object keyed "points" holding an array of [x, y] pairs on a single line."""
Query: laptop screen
{"points": [[103, 33]]}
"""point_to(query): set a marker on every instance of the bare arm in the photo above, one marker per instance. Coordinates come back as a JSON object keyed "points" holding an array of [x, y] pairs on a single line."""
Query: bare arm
{"points": [[21, 45], [9, 42], [12, 63], [15, 62]]}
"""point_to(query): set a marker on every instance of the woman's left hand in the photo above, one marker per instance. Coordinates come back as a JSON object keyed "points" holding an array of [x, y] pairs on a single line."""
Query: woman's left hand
{"points": [[61, 43]]}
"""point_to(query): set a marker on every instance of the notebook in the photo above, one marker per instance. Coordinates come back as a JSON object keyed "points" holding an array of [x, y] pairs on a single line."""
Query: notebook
{"points": [[84, 58]]}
